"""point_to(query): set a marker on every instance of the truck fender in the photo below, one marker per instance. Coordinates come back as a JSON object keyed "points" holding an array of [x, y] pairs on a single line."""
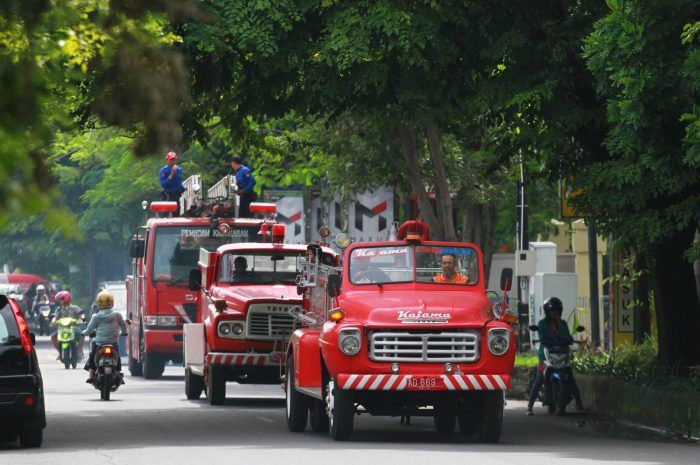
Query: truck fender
{"points": [[307, 360], [194, 344]]}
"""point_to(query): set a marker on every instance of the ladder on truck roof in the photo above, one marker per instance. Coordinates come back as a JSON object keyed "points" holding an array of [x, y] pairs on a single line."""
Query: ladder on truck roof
{"points": [[193, 203]]}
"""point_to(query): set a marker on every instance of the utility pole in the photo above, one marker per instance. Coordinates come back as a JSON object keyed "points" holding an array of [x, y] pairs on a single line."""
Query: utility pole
{"points": [[523, 243], [593, 278]]}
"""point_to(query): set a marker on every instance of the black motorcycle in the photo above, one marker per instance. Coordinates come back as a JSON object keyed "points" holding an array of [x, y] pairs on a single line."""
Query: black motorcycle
{"points": [[108, 376], [44, 313]]}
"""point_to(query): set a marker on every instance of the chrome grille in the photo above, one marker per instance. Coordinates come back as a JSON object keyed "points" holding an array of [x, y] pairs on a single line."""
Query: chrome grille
{"points": [[424, 347], [269, 321]]}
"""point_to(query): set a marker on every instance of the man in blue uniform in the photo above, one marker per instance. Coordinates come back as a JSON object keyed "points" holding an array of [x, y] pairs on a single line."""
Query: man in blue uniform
{"points": [[170, 177], [246, 183]]}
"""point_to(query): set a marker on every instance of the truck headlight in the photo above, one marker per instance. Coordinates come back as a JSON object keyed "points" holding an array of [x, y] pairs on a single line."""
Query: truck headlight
{"points": [[349, 340], [167, 320], [230, 329], [499, 341]]}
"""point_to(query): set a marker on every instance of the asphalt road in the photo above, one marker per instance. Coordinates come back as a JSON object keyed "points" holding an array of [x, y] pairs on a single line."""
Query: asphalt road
{"points": [[151, 422]]}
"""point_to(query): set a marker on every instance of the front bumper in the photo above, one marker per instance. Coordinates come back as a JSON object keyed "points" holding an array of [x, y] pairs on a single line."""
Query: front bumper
{"points": [[165, 341], [423, 382], [245, 359]]}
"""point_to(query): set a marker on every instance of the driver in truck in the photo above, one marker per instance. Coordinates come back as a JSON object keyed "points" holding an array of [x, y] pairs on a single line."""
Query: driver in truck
{"points": [[449, 271]]}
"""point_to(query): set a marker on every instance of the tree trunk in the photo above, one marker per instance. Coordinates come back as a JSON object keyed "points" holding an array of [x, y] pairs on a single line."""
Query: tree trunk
{"points": [[407, 139], [442, 187], [479, 228], [677, 305], [641, 292]]}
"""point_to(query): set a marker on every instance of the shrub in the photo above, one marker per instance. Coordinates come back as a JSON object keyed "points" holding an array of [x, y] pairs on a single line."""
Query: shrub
{"points": [[636, 364]]}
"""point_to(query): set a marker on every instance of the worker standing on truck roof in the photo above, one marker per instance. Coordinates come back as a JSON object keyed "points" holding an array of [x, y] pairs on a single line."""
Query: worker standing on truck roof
{"points": [[170, 177], [246, 183]]}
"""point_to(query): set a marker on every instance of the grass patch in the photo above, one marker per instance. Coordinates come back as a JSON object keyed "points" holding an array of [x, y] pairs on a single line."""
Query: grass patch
{"points": [[526, 360]]}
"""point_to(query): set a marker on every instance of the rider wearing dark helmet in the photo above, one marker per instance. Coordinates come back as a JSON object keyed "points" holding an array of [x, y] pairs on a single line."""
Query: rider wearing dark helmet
{"points": [[552, 332]]}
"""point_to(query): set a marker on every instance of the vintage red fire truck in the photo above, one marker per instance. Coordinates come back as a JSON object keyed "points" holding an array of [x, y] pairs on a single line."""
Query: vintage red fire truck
{"points": [[407, 330], [245, 314], [163, 253]]}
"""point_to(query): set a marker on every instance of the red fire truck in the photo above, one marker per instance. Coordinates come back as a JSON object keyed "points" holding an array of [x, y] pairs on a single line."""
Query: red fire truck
{"points": [[407, 331], [247, 309], [163, 253]]}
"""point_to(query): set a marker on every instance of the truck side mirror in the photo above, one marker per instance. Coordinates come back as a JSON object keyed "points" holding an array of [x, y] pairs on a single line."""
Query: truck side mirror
{"points": [[195, 283], [137, 248], [506, 279], [333, 285]]}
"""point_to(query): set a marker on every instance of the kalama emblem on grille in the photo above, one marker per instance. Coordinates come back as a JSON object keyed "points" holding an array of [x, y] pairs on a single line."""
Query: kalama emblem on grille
{"points": [[421, 317]]}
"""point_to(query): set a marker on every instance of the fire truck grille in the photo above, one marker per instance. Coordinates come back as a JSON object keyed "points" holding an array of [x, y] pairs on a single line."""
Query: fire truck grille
{"points": [[424, 347], [269, 321]]}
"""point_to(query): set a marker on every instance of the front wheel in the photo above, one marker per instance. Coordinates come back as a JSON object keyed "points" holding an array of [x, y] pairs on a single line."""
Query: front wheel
{"points": [[559, 396], [341, 412], [491, 421], [153, 366], [194, 385], [216, 385], [297, 411]]}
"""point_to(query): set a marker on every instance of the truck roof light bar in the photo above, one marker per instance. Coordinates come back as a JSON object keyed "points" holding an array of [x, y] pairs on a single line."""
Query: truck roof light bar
{"points": [[263, 207], [164, 206]]}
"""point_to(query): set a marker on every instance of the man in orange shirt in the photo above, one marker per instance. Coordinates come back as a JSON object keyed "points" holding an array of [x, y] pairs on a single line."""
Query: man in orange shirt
{"points": [[449, 273]]}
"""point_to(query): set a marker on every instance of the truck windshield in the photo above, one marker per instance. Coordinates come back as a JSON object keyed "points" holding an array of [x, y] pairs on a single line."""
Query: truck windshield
{"points": [[380, 265], [176, 249], [260, 267], [446, 264]]}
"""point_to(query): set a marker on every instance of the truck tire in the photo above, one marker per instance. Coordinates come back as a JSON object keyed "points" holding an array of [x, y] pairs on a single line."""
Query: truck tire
{"points": [[445, 422], [297, 411], [153, 366], [491, 421], [341, 412], [31, 438], [134, 365], [216, 385], [318, 418], [194, 385]]}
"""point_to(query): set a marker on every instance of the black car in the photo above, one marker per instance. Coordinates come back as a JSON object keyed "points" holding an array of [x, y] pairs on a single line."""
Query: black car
{"points": [[22, 411]]}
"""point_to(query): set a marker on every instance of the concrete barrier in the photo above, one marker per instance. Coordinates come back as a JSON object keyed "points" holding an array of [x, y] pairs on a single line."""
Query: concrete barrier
{"points": [[674, 411]]}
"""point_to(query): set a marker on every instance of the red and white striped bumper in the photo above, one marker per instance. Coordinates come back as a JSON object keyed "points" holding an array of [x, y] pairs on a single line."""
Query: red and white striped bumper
{"points": [[245, 359], [459, 382]]}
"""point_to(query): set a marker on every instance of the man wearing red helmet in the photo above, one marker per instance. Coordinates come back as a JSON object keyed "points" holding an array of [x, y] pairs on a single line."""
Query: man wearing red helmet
{"points": [[170, 177], [64, 309]]}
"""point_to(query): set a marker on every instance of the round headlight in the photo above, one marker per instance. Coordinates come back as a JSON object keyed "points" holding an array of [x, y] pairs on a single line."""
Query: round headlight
{"points": [[238, 329], [343, 240], [350, 345], [224, 329], [498, 345]]}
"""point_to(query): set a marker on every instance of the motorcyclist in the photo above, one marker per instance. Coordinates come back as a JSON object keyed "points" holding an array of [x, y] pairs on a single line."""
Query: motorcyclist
{"points": [[64, 309], [106, 323], [552, 332], [40, 298]]}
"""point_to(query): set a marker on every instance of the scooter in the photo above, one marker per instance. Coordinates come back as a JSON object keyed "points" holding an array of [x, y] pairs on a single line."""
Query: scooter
{"points": [[108, 376], [557, 370], [67, 342], [44, 314]]}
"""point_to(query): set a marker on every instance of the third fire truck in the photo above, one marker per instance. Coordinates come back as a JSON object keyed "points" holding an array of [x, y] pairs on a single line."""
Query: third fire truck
{"points": [[401, 335]]}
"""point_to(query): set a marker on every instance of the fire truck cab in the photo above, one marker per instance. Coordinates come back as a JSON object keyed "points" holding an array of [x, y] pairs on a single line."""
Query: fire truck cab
{"points": [[407, 330], [248, 307]]}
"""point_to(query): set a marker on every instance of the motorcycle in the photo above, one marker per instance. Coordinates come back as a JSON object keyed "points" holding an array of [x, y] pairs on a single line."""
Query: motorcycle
{"points": [[67, 341], [557, 371], [44, 313], [108, 376]]}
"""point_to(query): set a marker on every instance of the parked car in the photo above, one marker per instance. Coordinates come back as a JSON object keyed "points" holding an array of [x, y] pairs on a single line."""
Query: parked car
{"points": [[22, 413]]}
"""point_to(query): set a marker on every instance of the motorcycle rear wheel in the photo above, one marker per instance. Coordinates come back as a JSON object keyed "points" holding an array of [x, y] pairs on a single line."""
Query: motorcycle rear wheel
{"points": [[106, 388]]}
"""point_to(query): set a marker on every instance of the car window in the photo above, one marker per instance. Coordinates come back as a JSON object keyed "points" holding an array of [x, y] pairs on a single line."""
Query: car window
{"points": [[9, 333]]}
